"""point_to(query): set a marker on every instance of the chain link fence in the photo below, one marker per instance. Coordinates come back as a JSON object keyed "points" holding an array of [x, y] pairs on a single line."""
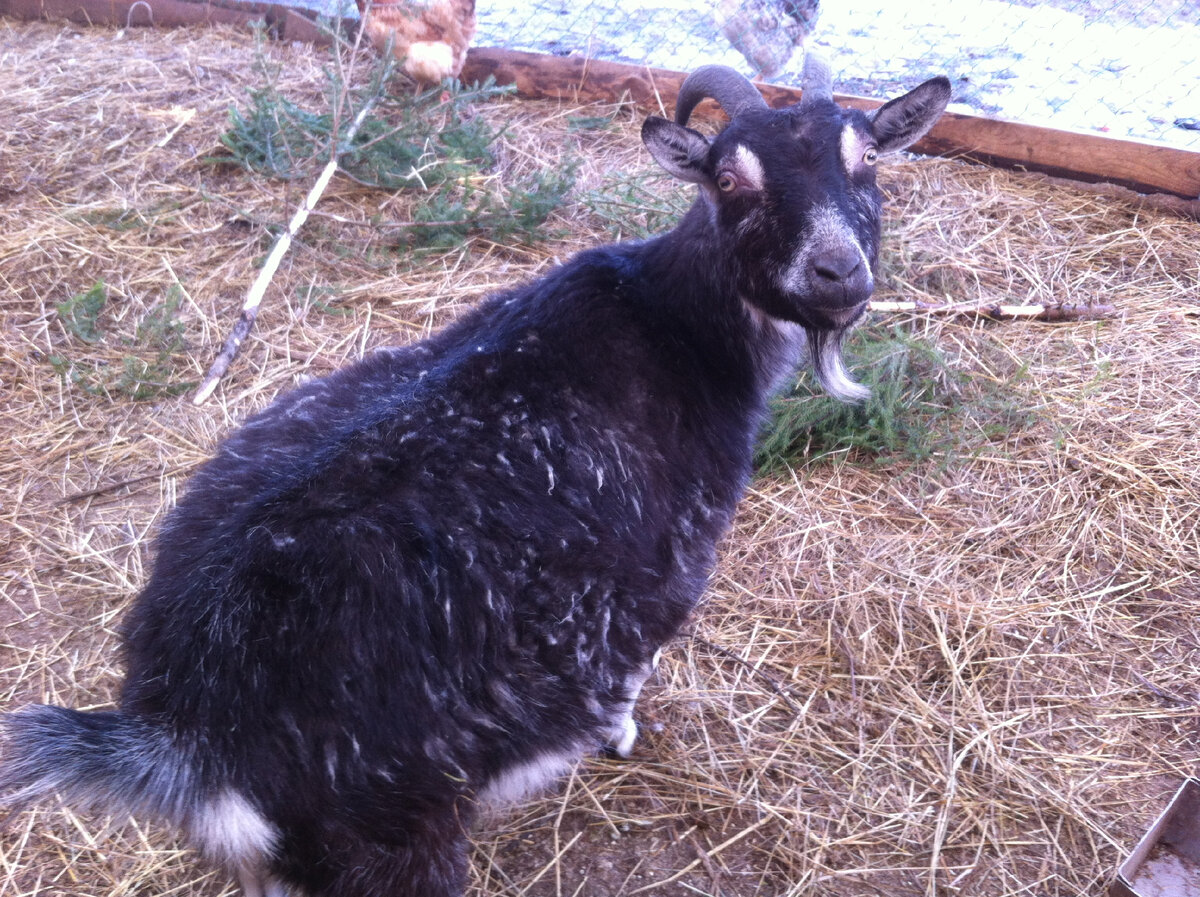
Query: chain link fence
{"points": [[1128, 69]]}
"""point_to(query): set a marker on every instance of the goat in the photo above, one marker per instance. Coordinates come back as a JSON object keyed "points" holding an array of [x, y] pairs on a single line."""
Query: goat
{"points": [[437, 577]]}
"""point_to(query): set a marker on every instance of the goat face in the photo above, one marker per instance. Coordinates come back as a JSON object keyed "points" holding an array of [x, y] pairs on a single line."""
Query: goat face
{"points": [[792, 198]]}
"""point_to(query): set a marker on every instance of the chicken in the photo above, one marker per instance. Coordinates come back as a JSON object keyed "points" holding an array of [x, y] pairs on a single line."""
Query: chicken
{"points": [[766, 32], [429, 37]]}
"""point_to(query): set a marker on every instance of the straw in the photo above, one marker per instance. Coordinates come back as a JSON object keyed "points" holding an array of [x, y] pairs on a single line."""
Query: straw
{"points": [[969, 675]]}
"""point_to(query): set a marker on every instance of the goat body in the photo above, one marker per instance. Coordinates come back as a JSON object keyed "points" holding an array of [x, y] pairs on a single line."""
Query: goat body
{"points": [[439, 575]]}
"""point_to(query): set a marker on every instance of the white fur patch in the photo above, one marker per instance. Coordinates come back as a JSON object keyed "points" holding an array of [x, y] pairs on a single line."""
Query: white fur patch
{"points": [[253, 886], [524, 779], [625, 736], [853, 145], [625, 731], [849, 147], [750, 167], [231, 830], [836, 379]]}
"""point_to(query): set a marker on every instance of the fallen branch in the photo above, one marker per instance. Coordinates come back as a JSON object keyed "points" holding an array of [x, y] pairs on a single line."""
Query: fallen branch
{"points": [[111, 487], [781, 691], [254, 295], [1060, 312], [121, 484]]}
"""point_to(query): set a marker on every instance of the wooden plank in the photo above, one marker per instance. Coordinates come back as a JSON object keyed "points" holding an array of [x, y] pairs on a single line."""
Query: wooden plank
{"points": [[283, 22], [1144, 167]]}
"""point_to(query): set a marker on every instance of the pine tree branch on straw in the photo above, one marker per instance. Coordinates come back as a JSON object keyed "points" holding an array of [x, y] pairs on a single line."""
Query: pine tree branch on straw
{"points": [[254, 296], [1053, 312]]}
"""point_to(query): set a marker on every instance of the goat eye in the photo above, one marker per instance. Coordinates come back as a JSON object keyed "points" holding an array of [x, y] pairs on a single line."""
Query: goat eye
{"points": [[726, 182], [871, 156]]}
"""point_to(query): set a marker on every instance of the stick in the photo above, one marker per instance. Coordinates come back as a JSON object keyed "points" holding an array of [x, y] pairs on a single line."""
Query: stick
{"points": [[255, 294], [111, 487], [781, 691], [1061, 312]]}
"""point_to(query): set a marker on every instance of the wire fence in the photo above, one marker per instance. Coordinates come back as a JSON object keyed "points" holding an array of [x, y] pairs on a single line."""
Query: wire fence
{"points": [[1129, 69]]}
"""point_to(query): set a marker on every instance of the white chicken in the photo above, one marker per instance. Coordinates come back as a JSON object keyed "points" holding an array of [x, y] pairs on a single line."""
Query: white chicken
{"points": [[429, 37], [766, 32]]}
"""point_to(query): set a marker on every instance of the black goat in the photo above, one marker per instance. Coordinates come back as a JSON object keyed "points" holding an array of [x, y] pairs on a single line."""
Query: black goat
{"points": [[439, 575]]}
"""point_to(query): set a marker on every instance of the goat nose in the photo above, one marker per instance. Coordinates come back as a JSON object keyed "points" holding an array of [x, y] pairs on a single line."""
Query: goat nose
{"points": [[836, 264]]}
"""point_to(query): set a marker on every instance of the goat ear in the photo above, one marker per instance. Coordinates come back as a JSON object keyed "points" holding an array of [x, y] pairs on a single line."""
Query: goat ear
{"points": [[681, 151], [903, 121]]}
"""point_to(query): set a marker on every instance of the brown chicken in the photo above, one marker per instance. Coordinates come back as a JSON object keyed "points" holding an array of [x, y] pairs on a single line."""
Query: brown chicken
{"points": [[429, 37]]}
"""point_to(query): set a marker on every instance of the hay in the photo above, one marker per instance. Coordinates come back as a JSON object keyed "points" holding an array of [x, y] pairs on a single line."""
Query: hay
{"points": [[969, 675]]}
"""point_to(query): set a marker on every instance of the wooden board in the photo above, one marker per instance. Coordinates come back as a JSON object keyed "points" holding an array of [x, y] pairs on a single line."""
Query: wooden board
{"points": [[1141, 166], [282, 22]]}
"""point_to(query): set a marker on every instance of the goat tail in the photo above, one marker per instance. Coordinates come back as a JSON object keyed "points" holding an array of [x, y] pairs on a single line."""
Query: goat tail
{"points": [[120, 763], [103, 760]]}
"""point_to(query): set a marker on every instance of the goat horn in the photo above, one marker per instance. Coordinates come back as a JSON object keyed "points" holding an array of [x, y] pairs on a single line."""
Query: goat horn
{"points": [[816, 82], [725, 85]]}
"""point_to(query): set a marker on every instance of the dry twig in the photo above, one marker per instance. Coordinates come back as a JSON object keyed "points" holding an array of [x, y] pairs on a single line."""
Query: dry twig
{"points": [[256, 292], [1056, 312], [254, 296]]}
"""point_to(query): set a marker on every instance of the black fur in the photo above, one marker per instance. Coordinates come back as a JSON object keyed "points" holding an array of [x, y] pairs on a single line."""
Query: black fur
{"points": [[401, 582]]}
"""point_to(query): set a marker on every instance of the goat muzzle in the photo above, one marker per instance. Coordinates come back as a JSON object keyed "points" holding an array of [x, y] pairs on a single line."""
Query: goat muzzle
{"points": [[833, 285]]}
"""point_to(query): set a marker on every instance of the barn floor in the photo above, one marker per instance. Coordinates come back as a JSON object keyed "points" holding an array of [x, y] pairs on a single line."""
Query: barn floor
{"points": [[973, 672]]}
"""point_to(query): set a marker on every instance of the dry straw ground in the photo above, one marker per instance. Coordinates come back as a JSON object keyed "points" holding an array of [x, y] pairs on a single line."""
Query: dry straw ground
{"points": [[967, 675]]}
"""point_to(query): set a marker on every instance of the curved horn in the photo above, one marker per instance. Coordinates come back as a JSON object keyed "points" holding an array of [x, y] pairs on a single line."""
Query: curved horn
{"points": [[727, 86], [816, 82]]}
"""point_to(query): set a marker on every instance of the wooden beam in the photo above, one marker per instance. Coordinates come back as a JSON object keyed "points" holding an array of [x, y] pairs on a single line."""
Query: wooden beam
{"points": [[1140, 166], [282, 21]]}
